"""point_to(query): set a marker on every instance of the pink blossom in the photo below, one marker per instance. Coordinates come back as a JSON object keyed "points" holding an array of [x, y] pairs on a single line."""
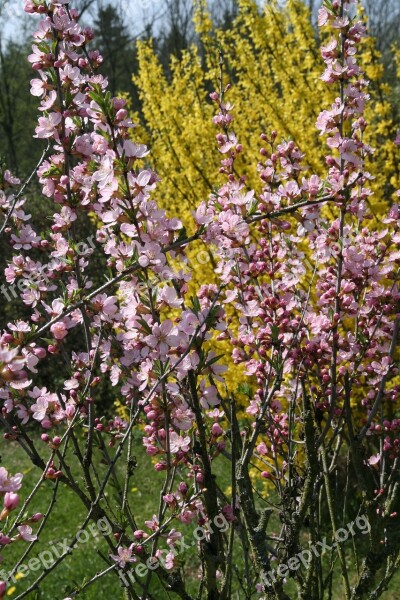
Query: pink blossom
{"points": [[26, 534], [70, 74], [170, 561], [163, 337], [173, 536], [124, 556], [177, 443], [209, 396], [132, 150], [48, 126], [83, 144], [323, 16], [151, 255], [203, 215], [38, 87], [59, 330], [330, 50], [182, 419], [153, 524], [27, 238], [40, 409], [262, 449], [168, 295], [374, 460], [9, 484]]}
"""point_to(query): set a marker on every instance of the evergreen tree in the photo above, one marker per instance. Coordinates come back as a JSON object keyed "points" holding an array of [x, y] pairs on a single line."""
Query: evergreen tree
{"points": [[118, 50]]}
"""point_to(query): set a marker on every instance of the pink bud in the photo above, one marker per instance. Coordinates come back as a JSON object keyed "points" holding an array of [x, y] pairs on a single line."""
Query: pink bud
{"points": [[169, 498], [36, 517], [4, 540], [160, 466], [121, 115], [3, 588], [119, 103], [138, 534], [217, 430], [182, 488], [40, 352], [11, 500]]}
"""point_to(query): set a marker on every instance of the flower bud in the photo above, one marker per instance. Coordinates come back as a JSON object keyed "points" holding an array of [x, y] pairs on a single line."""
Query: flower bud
{"points": [[11, 500], [36, 517], [138, 534], [4, 540], [217, 430], [183, 488]]}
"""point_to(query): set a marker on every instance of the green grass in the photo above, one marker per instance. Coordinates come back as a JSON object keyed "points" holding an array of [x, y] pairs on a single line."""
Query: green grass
{"points": [[85, 561], [65, 520]]}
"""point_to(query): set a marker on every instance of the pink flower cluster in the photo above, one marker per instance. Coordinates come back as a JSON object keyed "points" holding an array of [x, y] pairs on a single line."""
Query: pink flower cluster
{"points": [[316, 296], [94, 168]]}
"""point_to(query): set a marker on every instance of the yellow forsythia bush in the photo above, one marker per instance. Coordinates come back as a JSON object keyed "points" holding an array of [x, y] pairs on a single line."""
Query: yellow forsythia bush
{"points": [[272, 58]]}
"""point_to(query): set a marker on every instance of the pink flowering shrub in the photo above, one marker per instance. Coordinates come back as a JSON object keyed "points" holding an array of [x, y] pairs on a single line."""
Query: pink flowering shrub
{"points": [[307, 298]]}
